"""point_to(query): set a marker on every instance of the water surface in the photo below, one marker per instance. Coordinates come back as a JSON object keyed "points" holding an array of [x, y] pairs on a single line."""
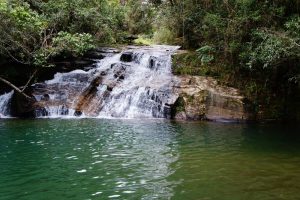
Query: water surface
{"points": [[147, 159]]}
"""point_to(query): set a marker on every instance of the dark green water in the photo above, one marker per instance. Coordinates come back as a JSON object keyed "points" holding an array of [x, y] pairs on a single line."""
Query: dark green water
{"points": [[133, 159]]}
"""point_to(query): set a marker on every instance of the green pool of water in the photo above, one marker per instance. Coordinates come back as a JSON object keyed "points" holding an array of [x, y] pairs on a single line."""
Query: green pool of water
{"points": [[147, 159]]}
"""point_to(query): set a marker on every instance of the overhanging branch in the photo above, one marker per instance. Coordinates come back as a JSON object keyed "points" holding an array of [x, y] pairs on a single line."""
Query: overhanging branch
{"points": [[15, 88]]}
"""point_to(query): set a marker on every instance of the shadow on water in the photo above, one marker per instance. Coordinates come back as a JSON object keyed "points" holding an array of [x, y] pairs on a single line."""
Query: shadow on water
{"points": [[147, 159]]}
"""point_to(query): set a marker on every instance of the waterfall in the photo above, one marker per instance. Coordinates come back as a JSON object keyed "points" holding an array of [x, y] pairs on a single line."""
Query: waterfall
{"points": [[136, 83], [5, 104]]}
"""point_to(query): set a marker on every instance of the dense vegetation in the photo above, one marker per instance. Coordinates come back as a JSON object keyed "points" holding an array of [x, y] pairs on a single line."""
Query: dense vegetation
{"points": [[253, 45]]}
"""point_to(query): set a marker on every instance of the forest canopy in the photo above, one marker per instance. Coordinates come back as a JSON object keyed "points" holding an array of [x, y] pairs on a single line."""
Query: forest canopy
{"points": [[242, 32]]}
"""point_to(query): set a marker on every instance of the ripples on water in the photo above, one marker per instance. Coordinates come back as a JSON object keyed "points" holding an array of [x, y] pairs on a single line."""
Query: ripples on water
{"points": [[150, 159]]}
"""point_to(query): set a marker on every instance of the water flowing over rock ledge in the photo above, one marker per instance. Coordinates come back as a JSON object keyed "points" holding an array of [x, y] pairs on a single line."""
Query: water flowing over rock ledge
{"points": [[135, 83]]}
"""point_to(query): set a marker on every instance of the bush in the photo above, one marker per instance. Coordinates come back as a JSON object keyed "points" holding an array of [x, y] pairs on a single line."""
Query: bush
{"points": [[75, 44], [206, 54], [164, 36]]}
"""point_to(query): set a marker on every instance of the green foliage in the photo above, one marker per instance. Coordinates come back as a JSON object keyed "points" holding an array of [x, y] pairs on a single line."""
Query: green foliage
{"points": [[271, 48], [21, 31], [34, 31], [143, 40], [26, 19], [138, 17], [64, 43], [255, 46], [293, 27], [164, 36], [100, 18], [76, 44], [205, 54], [189, 63]]}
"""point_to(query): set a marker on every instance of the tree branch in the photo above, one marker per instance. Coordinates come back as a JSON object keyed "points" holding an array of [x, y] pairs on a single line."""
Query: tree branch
{"points": [[29, 80], [15, 88]]}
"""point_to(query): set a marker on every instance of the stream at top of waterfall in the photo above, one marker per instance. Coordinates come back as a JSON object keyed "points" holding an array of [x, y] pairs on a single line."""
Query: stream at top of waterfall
{"points": [[147, 159]]}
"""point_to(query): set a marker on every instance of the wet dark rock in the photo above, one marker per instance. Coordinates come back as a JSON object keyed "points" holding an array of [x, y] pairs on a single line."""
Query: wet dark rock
{"points": [[109, 88], [127, 57], [130, 38], [152, 62], [77, 113], [89, 67], [45, 97], [40, 85], [101, 52], [107, 50], [122, 77], [119, 71], [70, 65], [94, 55], [64, 110], [41, 112], [22, 107]]}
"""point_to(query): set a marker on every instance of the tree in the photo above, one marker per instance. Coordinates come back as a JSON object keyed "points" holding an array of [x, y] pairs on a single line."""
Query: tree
{"points": [[28, 37]]}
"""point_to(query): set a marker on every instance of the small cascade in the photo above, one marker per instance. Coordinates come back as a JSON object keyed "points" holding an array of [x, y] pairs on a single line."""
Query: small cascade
{"points": [[58, 97], [147, 88], [136, 83], [5, 104]]}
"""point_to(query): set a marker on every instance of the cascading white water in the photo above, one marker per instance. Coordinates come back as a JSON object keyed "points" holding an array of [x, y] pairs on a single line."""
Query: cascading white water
{"points": [[147, 87], [136, 83], [59, 96], [4, 104]]}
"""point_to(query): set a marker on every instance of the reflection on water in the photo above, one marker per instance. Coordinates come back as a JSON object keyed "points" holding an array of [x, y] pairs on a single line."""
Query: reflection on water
{"points": [[227, 161], [150, 159]]}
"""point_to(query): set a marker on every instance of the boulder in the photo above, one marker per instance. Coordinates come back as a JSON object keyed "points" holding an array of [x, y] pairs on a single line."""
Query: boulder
{"points": [[78, 113], [22, 107], [127, 57], [100, 53], [202, 98], [107, 50], [94, 55], [87, 95]]}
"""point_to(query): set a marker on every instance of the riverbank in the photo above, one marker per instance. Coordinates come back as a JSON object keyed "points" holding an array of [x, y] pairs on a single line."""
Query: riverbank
{"points": [[268, 95]]}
